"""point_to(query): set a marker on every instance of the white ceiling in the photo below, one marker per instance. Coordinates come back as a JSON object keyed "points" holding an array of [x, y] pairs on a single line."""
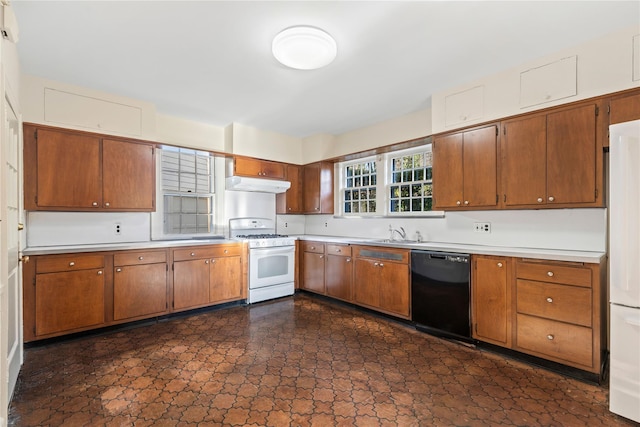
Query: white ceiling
{"points": [[211, 61]]}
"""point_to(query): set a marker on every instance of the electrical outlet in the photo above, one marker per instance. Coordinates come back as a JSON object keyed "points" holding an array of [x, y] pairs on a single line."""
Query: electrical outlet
{"points": [[482, 227], [326, 224], [286, 224], [117, 228]]}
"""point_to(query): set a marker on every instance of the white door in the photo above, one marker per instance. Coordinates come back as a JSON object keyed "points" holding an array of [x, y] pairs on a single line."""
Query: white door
{"points": [[10, 269], [624, 383]]}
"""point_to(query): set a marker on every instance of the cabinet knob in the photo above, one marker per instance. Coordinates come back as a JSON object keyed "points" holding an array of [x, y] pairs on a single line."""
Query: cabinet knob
{"points": [[550, 337], [381, 265], [118, 270], [313, 248], [212, 261], [317, 209], [140, 258], [549, 300], [71, 264], [338, 250], [376, 264], [540, 199], [100, 273], [466, 202], [500, 264], [107, 204], [206, 261], [458, 203], [321, 256], [288, 208], [551, 198], [348, 259], [226, 251], [192, 254], [550, 273], [94, 204]]}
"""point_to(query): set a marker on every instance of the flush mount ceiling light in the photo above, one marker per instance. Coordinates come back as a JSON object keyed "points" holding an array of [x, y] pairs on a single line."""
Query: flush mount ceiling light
{"points": [[304, 48]]}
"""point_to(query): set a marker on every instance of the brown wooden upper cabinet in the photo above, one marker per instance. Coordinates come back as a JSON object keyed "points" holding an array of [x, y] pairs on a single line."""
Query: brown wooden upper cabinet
{"points": [[246, 166], [624, 109], [290, 202], [68, 170], [465, 169], [318, 188], [552, 159]]}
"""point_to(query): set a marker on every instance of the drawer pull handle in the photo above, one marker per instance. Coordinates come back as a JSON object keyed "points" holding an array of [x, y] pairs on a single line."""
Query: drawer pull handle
{"points": [[550, 273], [551, 198], [71, 264], [107, 204], [192, 254], [94, 204], [321, 256], [100, 273], [466, 202], [540, 199], [212, 261], [500, 264], [550, 337], [376, 264], [226, 251], [118, 270], [206, 261], [381, 265], [458, 203], [549, 300], [313, 248], [348, 259], [140, 258]]}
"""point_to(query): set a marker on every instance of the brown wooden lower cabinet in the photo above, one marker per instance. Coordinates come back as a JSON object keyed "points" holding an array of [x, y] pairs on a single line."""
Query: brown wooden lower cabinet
{"points": [[382, 279], [549, 309], [69, 293], [339, 272], [313, 268]]}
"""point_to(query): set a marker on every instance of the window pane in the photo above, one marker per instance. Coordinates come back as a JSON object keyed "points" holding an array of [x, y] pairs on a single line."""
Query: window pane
{"points": [[360, 180], [397, 177], [414, 171], [407, 176], [416, 205], [355, 207], [416, 190], [363, 206], [418, 174], [404, 205], [395, 205], [347, 208], [349, 182], [365, 180], [347, 194]]}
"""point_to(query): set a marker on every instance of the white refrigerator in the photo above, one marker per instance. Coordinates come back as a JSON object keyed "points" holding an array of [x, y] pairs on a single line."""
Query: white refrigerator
{"points": [[624, 269]]}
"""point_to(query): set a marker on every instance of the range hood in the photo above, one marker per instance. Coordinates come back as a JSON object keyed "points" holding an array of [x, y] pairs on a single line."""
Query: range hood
{"points": [[261, 185]]}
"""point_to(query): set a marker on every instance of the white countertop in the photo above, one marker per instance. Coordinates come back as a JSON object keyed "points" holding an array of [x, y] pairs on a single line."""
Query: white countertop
{"points": [[535, 253]]}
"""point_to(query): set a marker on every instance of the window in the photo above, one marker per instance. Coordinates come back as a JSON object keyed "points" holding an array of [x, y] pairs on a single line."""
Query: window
{"points": [[359, 187], [187, 191], [411, 187], [398, 183]]}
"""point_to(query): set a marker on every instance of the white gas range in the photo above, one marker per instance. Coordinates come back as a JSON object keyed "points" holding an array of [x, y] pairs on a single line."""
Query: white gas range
{"points": [[271, 258]]}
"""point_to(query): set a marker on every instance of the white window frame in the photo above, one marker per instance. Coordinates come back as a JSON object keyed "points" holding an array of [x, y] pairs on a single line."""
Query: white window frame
{"points": [[388, 165], [342, 187], [158, 229]]}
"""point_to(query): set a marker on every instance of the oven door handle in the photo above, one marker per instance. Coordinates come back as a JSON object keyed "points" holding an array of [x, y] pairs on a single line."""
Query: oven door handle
{"points": [[275, 251]]}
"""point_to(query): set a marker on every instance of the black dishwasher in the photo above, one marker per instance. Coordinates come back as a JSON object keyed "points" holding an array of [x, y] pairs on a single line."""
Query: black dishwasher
{"points": [[440, 293]]}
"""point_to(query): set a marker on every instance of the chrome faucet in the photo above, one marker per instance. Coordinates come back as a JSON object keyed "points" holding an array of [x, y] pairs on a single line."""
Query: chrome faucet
{"points": [[394, 231]]}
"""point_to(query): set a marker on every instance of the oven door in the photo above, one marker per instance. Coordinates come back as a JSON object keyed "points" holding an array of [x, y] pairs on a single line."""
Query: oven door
{"points": [[271, 266]]}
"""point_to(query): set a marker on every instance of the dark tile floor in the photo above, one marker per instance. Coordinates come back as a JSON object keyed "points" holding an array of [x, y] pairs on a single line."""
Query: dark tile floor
{"points": [[293, 362]]}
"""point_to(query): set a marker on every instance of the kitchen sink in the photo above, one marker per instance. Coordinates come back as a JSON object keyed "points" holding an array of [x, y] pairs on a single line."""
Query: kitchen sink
{"points": [[394, 241]]}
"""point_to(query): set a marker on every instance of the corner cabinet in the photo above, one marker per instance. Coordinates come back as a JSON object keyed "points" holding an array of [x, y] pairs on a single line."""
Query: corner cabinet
{"points": [[317, 194], [68, 170], [465, 169], [290, 202], [553, 159]]}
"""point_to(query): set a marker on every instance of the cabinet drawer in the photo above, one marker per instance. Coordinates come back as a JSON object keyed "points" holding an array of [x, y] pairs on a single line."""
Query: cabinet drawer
{"points": [[315, 247], [69, 263], [206, 252], [576, 276], [135, 258], [342, 250], [557, 302], [555, 339]]}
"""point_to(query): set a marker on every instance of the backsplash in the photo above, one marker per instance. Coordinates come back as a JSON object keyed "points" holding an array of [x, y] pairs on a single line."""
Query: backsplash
{"points": [[570, 229]]}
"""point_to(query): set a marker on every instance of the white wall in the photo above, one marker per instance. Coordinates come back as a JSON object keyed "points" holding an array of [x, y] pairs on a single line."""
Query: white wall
{"points": [[604, 65], [250, 141], [187, 133], [571, 229]]}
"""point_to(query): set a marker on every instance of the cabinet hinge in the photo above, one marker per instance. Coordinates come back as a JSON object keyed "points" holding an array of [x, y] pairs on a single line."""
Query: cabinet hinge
{"points": [[596, 193], [497, 198], [35, 134], [504, 130], [34, 331], [475, 326], [497, 131], [609, 109], [167, 267], [597, 110], [504, 199], [34, 281], [36, 199]]}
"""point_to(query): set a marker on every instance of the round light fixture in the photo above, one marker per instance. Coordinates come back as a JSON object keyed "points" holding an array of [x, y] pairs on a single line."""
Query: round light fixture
{"points": [[304, 48]]}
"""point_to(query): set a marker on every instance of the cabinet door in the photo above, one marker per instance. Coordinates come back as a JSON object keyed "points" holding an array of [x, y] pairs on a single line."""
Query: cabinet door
{"points": [[313, 272], [571, 156], [448, 179], [491, 300], [393, 282], [311, 191], [480, 167], [365, 286], [190, 283], [69, 172], [290, 202], [69, 300], [139, 290], [246, 166], [225, 283], [339, 276], [129, 175], [273, 170], [524, 153]]}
